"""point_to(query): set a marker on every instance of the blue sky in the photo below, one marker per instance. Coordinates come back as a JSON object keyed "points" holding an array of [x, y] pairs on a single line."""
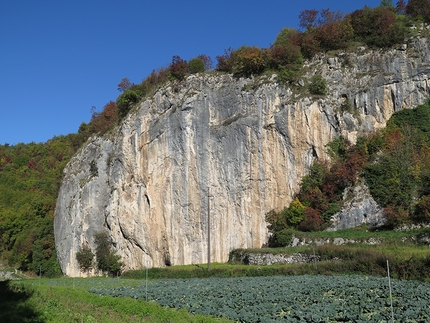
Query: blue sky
{"points": [[59, 58]]}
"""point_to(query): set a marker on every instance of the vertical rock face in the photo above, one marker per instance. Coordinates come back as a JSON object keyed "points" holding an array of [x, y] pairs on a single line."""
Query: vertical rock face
{"points": [[247, 141]]}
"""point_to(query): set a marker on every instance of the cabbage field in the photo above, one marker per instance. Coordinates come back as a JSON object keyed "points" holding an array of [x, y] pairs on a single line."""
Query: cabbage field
{"points": [[337, 298]]}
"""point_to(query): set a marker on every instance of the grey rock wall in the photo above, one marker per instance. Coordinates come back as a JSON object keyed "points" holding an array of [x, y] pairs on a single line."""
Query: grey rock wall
{"points": [[249, 140], [267, 259]]}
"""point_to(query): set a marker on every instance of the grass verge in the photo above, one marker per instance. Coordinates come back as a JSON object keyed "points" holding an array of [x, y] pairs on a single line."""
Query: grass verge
{"points": [[27, 301]]}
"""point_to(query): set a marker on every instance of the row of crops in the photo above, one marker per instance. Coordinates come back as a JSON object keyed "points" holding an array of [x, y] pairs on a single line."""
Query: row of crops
{"points": [[337, 298]]}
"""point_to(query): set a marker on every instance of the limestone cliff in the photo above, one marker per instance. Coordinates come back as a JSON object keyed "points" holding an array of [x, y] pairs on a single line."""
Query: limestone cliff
{"points": [[249, 140]]}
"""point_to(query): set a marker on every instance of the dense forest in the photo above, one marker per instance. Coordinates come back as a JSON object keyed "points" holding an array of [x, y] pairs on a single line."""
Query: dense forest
{"points": [[394, 162]]}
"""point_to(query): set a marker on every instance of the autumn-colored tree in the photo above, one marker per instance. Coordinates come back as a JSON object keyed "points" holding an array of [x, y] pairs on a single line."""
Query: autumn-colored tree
{"points": [[294, 213], [401, 7], [378, 27], [277, 221], [207, 61], [418, 9], [226, 61], [312, 220], [395, 215], [312, 19], [104, 120], [308, 19], [124, 85], [157, 77], [288, 56], [286, 37], [110, 110], [329, 28], [249, 61], [334, 35], [309, 45], [178, 68]]}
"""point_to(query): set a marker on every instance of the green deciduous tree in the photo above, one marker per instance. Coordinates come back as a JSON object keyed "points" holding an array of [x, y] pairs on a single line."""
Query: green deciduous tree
{"points": [[196, 65], [107, 259], [85, 258]]}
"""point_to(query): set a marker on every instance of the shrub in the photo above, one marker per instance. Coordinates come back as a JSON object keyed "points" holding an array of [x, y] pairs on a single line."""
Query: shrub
{"points": [[395, 215], [277, 221], [196, 65], [281, 238], [156, 77], [249, 61], [288, 75], [318, 85], [127, 99]]}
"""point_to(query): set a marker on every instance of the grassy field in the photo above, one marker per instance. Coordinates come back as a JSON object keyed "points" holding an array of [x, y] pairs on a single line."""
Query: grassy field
{"points": [[37, 301], [68, 300]]}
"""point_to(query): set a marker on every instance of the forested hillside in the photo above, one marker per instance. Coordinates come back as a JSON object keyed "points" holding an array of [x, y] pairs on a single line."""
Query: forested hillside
{"points": [[30, 177], [395, 165]]}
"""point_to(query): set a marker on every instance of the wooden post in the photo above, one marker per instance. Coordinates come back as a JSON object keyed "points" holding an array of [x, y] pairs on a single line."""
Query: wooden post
{"points": [[209, 231]]}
